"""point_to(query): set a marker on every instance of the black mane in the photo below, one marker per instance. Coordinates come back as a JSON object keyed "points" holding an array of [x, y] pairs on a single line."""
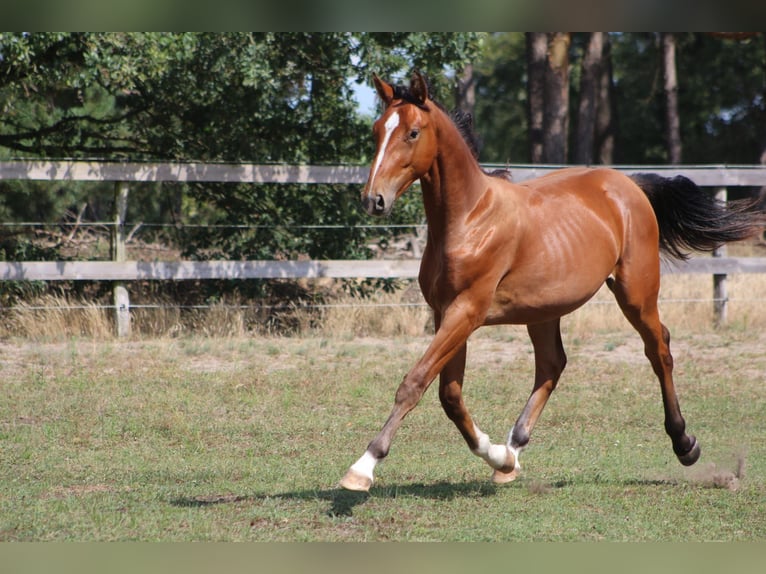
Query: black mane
{"points": [[464, 123]]}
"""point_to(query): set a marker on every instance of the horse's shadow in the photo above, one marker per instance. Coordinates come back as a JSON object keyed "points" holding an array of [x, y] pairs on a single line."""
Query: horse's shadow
{"points": [[342, 502]]}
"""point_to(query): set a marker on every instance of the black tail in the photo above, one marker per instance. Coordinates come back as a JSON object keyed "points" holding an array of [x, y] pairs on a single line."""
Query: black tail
{"points": [[692, 220]]}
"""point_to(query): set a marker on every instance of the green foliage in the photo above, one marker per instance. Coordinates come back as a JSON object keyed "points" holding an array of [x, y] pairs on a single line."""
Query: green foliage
{"points": [[253, 97], [722, 83], [393, 55], [501, 99], [638, 89], [722, 97]]}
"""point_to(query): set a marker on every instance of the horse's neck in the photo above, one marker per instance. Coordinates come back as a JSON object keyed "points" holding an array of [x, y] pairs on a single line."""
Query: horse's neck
{"points": [[454, 183]]}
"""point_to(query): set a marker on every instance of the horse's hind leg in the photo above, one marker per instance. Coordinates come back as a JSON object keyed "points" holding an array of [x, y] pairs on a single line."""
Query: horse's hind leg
{"points": [[638, 301], [550, 360], [498, 456]]}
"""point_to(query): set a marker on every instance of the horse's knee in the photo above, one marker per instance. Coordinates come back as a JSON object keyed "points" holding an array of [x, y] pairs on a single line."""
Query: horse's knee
{"points": [[407, 394], [410, 391]]}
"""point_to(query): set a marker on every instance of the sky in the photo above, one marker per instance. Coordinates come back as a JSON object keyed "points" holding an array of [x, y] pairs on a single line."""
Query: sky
{"points": [[366, 98]]}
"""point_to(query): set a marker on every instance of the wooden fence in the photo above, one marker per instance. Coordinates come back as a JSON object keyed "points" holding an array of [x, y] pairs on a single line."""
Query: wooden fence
{"points": [[120, 271]]}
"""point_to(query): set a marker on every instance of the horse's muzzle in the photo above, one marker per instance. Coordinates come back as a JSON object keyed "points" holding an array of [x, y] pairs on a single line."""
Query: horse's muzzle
{"points": [[374, 205]]}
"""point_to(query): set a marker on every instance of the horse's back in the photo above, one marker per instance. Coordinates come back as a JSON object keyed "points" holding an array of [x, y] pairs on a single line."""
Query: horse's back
{"points": [[586, 182], [604, 197]]}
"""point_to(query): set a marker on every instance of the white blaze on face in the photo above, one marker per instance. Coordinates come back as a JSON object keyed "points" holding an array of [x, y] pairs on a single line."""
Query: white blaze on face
{"points": [[391, 123]]}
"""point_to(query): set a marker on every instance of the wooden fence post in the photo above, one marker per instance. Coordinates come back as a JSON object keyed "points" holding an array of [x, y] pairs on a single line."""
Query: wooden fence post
{"points": [[720, 296], [119, 291]]}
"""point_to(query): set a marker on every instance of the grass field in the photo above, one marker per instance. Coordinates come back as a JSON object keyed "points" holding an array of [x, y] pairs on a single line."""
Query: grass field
{"points": [[244, 438]]}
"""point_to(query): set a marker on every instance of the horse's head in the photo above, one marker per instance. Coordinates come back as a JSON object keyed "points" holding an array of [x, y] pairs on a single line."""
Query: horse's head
{"points": [[406, 144]]}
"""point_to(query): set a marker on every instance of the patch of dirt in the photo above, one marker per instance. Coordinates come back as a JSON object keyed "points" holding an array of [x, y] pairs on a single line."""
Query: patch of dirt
{"points": [[711, 476], [489, 345]]}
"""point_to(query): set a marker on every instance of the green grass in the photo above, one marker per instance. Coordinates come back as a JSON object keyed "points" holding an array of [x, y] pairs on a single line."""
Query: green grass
{"points": [[244, 439]]}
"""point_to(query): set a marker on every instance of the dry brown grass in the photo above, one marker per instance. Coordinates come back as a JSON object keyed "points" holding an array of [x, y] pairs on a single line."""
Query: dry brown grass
{"points": [[383, 315], [685, 304], [56, 317], [219, 320]]}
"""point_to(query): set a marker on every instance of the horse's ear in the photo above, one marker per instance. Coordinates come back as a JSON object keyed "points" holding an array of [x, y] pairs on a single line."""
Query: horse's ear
{"points": [[419, 87], [385, 90]]}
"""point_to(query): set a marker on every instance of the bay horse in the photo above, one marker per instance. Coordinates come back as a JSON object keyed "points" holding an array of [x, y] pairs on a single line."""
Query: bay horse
{"points": [[528, 253]]}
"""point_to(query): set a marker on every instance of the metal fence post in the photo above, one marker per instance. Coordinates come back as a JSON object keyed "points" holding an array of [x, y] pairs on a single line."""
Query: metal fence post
{"points": [[119, 291]]}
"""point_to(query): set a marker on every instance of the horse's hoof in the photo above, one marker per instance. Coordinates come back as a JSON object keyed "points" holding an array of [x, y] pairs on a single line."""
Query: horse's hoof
{"points": [[500, 477], [691, 457], [356, 481]]}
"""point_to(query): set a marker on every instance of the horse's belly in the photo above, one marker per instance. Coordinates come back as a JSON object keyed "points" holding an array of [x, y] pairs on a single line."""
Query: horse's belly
{"points": [[524, 304]]}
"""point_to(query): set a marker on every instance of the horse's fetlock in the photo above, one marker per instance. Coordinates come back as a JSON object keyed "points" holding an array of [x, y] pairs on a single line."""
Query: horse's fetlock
{"points": [[378, 452], [519, 438]]}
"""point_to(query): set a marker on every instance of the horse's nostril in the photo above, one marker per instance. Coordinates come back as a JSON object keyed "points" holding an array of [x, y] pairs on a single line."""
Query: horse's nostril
{"points": [[374, 205]]}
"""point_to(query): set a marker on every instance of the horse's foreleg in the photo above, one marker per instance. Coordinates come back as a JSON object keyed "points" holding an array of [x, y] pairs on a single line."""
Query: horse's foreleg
{"points": [[550, 361], [498, 456], [449, 340]]}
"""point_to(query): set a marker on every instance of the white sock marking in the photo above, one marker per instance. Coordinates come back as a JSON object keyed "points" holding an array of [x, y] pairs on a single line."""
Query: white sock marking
{"points": [[516, 451], [365, 465], [494, 454]]}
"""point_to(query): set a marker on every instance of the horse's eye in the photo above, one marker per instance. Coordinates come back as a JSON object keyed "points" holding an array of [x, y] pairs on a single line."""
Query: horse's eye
{"points": [[414, 134]]}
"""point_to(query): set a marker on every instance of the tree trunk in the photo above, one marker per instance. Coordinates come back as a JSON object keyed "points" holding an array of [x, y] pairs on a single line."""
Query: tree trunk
{"points": [[556, 115], [537, 53], [589, 91], [606, 118], [465, 94], [465, 97], [672, 121]]}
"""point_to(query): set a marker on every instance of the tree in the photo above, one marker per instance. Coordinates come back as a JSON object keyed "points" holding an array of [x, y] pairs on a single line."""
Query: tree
{"points": [[556, 110], [254, 97], [537, 56], [605, 127], [465, 90], [672, 121], [500, 114], [721, 91], [590, 98]]}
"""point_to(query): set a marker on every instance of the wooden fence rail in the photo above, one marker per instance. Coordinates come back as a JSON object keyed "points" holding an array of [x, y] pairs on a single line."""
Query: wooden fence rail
{"points": [[343, 269], [119, 271], [703, 175]]}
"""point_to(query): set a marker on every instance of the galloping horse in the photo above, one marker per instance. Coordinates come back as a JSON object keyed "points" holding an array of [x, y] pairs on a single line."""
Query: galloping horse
{"points": [[528, 253]]}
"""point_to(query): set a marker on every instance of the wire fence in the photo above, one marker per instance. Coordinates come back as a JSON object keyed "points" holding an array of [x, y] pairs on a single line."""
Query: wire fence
{"points": [[317, 306], [110, 224]]}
